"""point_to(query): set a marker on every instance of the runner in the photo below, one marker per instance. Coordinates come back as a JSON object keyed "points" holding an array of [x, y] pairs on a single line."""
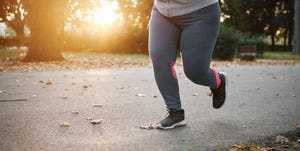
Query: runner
{"points": [[191, 27]]}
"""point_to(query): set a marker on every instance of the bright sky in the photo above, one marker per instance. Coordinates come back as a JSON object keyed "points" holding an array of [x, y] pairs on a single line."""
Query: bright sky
{"points": [[105, 14]]}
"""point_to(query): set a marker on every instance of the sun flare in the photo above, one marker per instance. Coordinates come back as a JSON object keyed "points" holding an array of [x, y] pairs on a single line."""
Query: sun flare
{"points": [[105, 16]]}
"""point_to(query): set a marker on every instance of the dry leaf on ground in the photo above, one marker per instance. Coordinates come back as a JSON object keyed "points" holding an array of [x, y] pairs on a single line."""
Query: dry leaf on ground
{"points": [[96, 121], [85, 86], [89, 118], [97, 105], [274, 77], [195, 94], [49, 83], [75, 112], [140, 95], [114, 61], [148, 127], [64, 124]]}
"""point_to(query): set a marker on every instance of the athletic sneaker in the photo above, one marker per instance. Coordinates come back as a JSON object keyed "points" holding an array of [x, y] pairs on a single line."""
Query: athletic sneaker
{"points": [[174, 118], [219, 94]]}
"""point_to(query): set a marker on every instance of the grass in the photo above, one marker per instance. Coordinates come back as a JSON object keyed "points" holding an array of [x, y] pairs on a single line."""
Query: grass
{"points": [[12, 54], [281, 56], [94, 55], [19, 54]]}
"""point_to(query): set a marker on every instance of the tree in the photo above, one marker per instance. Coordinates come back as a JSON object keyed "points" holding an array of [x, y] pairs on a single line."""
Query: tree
{"points": [[46, 22], [260, 16], [136, 15], [13, 14], [296, 47]]}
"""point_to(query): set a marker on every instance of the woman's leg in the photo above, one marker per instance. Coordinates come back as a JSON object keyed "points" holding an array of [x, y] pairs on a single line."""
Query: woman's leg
{"points": [[163, 46], [197, 44]]}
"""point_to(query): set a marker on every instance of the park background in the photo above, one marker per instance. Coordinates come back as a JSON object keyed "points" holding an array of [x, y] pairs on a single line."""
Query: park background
{"points": [[48, 35], [44, 30]]}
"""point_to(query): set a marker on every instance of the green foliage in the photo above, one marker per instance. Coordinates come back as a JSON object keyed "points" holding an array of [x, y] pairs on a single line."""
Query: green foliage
{"points": [[246, 38], [281, 55], [261, 17], [12, 54], [230, 40], [227, 44]]}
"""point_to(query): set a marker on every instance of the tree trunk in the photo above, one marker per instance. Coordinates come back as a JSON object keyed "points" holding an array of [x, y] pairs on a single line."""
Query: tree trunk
{"points": [[46, 18], [285, 38], [290, 35], [296, 40], [272, 39]]}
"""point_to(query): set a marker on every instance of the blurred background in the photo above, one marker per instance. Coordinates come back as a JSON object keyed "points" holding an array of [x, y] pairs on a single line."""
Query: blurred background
{"points": [[43, 29]]}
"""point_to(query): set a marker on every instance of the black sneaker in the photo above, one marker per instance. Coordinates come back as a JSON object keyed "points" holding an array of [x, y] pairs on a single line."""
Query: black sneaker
{"points": [[219, 94], [173, 119]]}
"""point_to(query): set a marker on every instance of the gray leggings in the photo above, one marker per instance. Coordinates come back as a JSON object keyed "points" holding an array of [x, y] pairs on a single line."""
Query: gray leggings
{"points": [[194, 35]]}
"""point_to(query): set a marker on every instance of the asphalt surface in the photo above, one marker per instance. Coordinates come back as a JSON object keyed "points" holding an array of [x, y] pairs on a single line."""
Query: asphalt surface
{"points": [[262, 101]]}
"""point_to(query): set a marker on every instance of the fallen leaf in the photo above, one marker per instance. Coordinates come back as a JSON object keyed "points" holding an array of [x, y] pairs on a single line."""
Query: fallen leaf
{"points": [[89, 118], [266, 149], [75, 112], [237, 146], [140, 95], [97, 105], [49, 83], [41, 81], [148, 127], [155, 96], [281, 139], [195, 94], [64, 124], [85, 86], [96, 121]]}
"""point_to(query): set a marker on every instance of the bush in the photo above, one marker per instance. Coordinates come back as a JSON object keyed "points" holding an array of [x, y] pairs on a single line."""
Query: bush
{"points": [[249, 39], [227, 44], [230, 40]]}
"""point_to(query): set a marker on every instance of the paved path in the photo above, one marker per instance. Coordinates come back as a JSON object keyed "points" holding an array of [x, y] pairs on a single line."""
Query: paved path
{"points": [[263, 101]]}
